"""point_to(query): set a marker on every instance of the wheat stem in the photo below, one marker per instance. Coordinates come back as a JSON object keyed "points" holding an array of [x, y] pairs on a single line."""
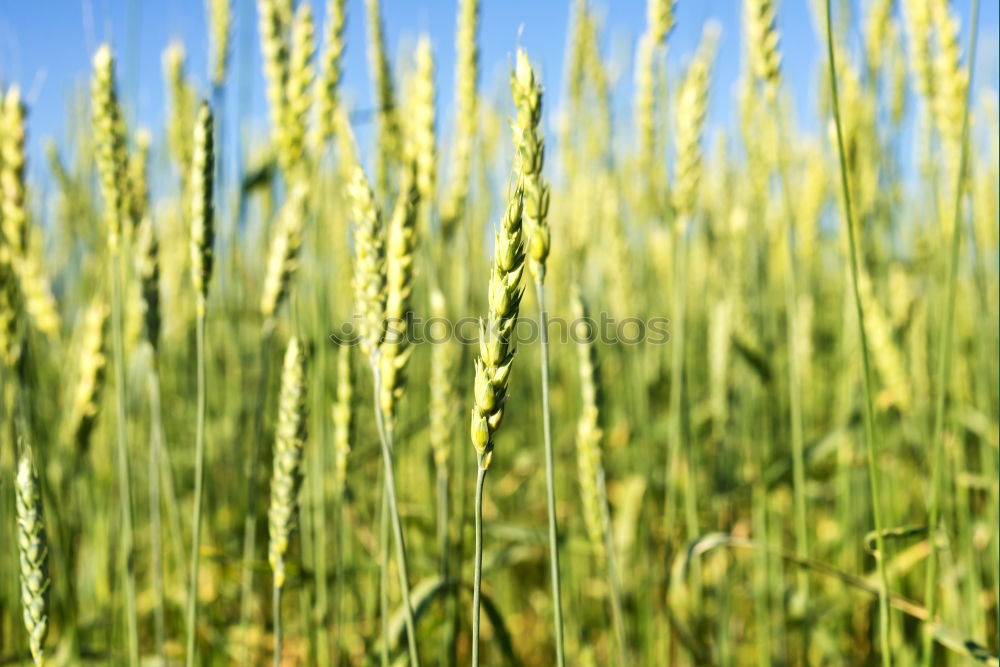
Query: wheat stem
{"points": [[869, 413], [199, 477], [155, 540], [385, 435], [478, 574], [550, 484], [276, 598], [124, 481], [945, 350], [250, 520]]}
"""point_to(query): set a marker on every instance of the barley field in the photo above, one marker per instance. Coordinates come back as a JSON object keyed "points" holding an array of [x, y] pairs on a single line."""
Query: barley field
{"points": [[650, 367]]}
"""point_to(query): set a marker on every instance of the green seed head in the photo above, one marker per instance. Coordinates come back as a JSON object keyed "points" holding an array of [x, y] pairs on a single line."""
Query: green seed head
{"points": [[202, 208], [289, 440], [33, 550]]}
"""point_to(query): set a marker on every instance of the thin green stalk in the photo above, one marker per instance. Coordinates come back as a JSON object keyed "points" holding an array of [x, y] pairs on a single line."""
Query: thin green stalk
{"points": [[155, 540], [442, 536], [794, 382], [550, 483], [125, 484], [477, 577], [338, 593], [276, 597], [613, 584], [199, 478], [945, 349], [869, 412], [320, 539], [250, 521], [383, 580], [397, 526]]}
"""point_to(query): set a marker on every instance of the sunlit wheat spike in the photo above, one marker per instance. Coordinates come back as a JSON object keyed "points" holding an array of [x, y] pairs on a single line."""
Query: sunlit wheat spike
{"points": [[660, 19], [442, 397], [343, 417], [496, 331], [588, 433], [951, 79], [202, 206], [109, 141], [147, 268], [289, 440], [876, 30], [530, 149], [424, 142], [15, 219], [644, 100], [36, 295], [917, 19], [33, 550], [466, 102], [182, 106], [369, 262], [386, 113], [138, 181], [329, 79], [10, 344], [692, 106], [35, 292], [220, 19], [762, 43], [292, 131], [282, 261], [395, 348], [93, 362], [274, 27]]}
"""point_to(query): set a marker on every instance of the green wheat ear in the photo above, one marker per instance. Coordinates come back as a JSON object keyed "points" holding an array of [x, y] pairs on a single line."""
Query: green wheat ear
{"points": [[32, 547], [289, 440], [202, 209]]}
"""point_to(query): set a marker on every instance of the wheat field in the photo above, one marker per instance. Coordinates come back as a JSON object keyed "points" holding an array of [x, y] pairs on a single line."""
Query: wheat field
{"points": [[590, 374]]}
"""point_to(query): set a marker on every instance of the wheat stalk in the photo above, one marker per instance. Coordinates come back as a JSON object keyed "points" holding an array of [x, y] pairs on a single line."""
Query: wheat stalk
{"points": [[109, 131], [955, 83], [202, 258], [496, 354], [884, 619], [371, 294], [590, 466], [530, 152]]}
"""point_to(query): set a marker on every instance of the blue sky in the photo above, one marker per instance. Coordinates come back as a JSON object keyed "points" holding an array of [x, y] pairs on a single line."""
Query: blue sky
{"points": [[46, 45]]}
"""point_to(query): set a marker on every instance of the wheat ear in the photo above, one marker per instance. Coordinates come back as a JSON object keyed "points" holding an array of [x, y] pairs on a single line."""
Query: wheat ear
{"points": [[329, 80], [286, 477], [220, 19], [466, 102], [33, 550], [282, 261]]}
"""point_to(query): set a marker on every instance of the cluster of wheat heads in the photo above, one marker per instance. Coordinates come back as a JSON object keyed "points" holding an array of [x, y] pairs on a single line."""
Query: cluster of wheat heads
{"points": [[234, 427]]}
